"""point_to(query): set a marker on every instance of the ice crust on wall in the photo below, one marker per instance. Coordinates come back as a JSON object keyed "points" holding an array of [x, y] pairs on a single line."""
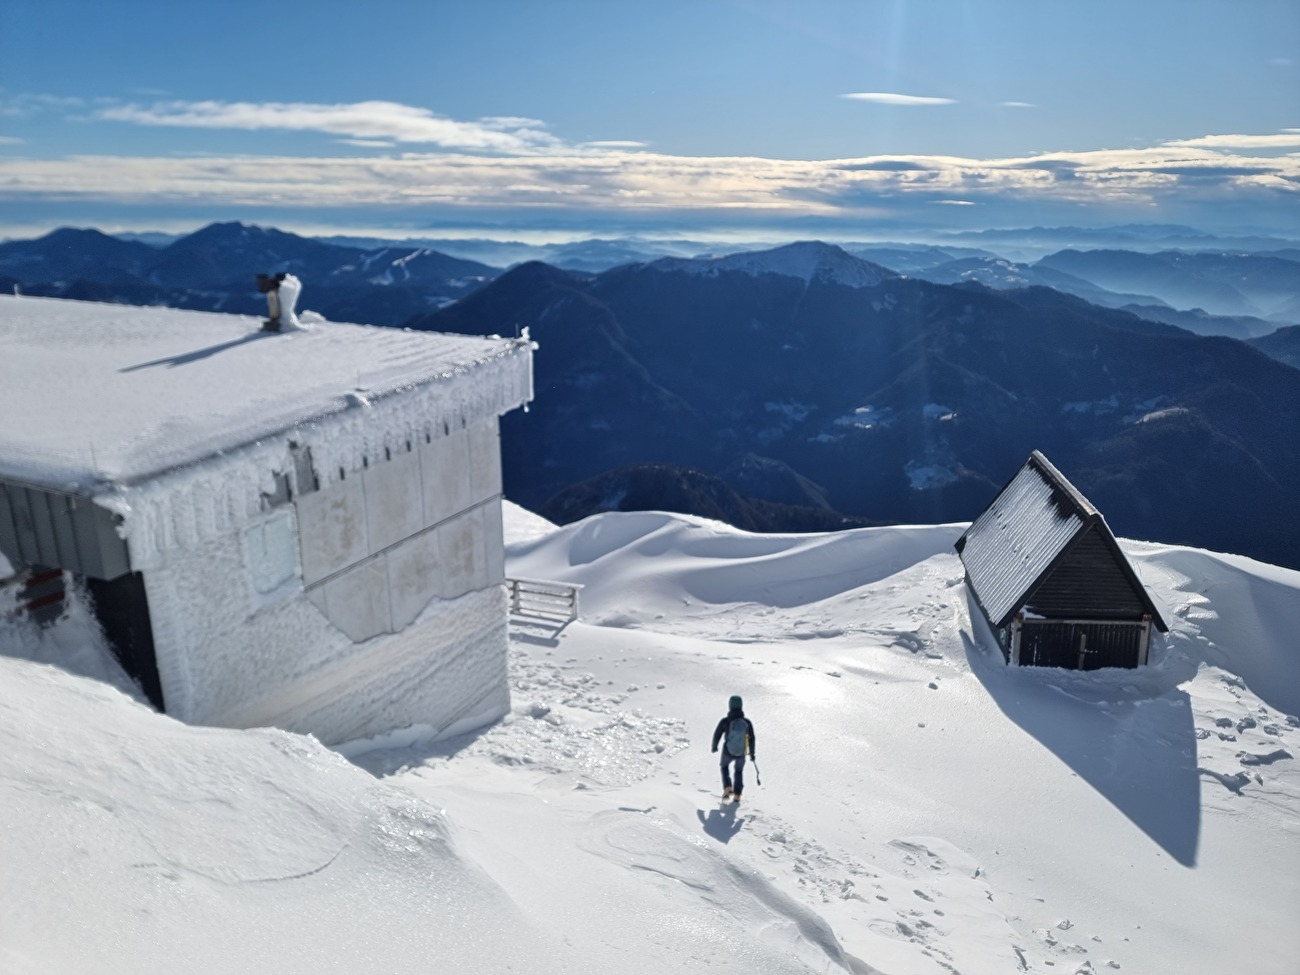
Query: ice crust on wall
{"points": [[223, 659]]}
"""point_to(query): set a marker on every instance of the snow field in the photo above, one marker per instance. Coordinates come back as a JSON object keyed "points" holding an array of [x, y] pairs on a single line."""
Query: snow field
{"points": [[923, 808]]}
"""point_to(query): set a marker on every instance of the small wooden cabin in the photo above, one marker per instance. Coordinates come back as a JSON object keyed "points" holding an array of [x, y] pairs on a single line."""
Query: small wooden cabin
{"points": [[1051, 580]]}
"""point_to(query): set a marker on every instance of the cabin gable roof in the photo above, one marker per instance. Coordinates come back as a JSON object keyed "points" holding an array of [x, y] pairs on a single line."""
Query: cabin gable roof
{"points": [[1034, 526]]}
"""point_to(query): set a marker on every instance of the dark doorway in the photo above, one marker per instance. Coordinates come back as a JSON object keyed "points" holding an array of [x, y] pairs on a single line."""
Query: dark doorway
{"points": [[122, 609]]}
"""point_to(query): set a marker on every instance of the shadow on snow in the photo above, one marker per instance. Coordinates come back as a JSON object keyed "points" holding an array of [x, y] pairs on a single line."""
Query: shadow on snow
{"points": [[1133, 740], [722, 823], [186, 358]]}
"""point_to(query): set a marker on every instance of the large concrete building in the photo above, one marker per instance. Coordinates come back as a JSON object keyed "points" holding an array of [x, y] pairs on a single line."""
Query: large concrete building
{"points": [[299, 529]]}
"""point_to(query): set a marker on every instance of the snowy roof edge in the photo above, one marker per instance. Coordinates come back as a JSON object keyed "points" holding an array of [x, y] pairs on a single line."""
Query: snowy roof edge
{"points": [[192, 502]]}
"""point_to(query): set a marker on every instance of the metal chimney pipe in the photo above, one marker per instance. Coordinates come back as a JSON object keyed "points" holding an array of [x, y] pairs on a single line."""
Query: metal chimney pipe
{"points": [[269, 285]]}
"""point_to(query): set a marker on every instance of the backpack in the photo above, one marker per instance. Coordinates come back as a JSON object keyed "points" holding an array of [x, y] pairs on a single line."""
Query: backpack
{"points": [[737, 733]]}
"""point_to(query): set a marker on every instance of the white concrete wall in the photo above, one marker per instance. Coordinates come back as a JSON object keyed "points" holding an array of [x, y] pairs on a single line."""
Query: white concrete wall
{"points": [[423, 524], [393, 614]]}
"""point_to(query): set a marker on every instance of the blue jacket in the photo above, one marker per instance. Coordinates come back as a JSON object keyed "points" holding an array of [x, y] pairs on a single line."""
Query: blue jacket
{"points": [[725, 723]]}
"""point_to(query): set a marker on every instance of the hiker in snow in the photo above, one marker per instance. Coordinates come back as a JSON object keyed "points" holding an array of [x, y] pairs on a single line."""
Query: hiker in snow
{"points": [[736, 732]]}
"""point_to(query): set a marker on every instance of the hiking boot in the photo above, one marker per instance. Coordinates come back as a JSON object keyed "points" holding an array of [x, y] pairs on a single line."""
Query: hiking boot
{"points": [[735, 797]]}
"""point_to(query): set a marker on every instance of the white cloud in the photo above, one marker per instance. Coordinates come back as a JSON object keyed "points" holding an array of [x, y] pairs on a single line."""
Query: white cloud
{"points": [[373, 120], [613, 180], [890, 98], [1283, 140], [523, 169], [1018, 105], [11, 140], [23, 106], [615, 144]]}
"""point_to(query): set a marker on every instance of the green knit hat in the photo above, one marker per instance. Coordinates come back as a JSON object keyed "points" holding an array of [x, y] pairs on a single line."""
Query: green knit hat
{"points": [[736, 704]]}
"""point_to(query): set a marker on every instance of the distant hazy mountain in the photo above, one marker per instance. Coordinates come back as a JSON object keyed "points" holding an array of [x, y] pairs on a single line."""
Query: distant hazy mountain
{"points": [[914, 258], [1031, 243], [804, 261], [1180, 277], [1257, 285], [68, 254], [215, 268], [596, 254], [1198, 321], [901, 400], [915, 249], [1001, 274], [1283, 345]]}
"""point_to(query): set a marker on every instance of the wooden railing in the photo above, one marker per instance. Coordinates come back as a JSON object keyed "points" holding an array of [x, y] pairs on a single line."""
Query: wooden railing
{"points": [[552, 600]]}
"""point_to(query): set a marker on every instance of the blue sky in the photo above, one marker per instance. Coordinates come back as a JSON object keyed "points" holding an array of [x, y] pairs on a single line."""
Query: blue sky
{"points": [[711, 117]]}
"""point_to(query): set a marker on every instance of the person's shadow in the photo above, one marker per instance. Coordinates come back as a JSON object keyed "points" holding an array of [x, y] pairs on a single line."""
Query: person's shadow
{"points": [[722, 824]]}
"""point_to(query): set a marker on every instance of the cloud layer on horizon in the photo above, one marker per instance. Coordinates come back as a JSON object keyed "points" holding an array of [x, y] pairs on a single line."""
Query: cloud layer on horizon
{"points": [[510, 163]]}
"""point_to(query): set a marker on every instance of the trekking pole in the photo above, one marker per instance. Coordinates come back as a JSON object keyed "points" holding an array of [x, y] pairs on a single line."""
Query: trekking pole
{"points": [[757, 777]]}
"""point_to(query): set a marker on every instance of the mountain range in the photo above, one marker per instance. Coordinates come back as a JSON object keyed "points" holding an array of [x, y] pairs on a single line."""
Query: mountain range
{"points": [[215, 269], [903, 399], [822, 387]]}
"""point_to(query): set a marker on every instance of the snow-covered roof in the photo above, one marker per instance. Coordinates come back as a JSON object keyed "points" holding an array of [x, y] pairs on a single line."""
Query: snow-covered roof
{"points": [[178, 422], [100, 395]]}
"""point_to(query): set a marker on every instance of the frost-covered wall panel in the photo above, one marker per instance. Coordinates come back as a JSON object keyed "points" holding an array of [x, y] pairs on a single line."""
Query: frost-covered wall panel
{"points": [[218, 641], [484, 460], [462, 554], [332, 529], [444, 467], [231, 656], [394, 507], [356, 601], [271, 552], [413, 577], [494, 542]]}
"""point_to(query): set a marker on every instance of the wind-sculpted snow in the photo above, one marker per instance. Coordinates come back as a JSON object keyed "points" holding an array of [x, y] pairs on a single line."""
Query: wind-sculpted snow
{"points": [[1242, 615], [770, 921], [640, 566], [133, 843]]}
